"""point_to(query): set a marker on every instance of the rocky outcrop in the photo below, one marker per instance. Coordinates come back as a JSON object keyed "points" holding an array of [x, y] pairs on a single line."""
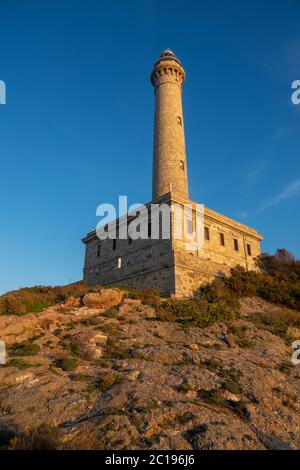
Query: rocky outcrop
{"points": [[113, 376], [88, 344], [103, 299]]}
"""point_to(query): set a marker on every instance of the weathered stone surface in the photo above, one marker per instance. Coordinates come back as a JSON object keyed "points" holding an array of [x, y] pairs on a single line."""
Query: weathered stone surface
{"points": [[72, 302], [104, 299], [88, 344], [152, 388]]}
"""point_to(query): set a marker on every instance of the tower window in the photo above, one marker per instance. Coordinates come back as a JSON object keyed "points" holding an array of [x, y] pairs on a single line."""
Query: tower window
{"points": [[236, 244], [206, 233], [190, 227], [98, 251], [179, 120], [114, 243], [149, 230], [181, 164], [222, 239], [249, 251], [119, 263]]}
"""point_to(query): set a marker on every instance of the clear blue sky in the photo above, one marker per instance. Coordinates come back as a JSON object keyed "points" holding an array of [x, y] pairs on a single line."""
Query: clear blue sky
{"points": [[77, 127]]}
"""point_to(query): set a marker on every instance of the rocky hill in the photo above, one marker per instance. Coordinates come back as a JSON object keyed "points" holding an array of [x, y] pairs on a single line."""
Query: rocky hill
{"points": [[111, 372]]}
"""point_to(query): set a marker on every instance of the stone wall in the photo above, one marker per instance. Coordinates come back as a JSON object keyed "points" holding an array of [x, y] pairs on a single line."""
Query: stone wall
{"points": [[170, 265], [139, 264]]}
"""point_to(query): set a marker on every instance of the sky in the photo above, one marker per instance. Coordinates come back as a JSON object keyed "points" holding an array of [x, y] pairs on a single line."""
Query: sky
{"points": [[77, 127]]}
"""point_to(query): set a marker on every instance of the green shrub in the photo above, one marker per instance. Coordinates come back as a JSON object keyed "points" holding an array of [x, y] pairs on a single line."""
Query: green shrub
{"points": [[148, 296], [195, 312], [277, 281], [20, 364], [274, 324], [212, 397], [232, 386], [213, 364], [68, 364], [104, 382], [25, 349]]}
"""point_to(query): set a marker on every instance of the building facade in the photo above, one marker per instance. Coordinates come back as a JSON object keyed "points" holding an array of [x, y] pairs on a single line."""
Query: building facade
{"points": [[169, 264]]}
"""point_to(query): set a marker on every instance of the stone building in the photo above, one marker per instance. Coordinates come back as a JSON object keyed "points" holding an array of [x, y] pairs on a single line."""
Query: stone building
{"points": [[168, 264]]}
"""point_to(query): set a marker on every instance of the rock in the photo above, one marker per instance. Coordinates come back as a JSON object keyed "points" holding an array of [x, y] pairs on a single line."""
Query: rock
{"points": [[104, 299], [89, 344], [72, 302], [133, 375], [170, 378], [16, 329]]}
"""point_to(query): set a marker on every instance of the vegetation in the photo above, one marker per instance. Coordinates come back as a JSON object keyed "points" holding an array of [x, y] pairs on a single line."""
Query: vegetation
{"points": [[20, 364], [35, 299], [103, 383], [148, 296], [25, 349], [68, 364], [44, 437], [277, 281], [195, 312]]}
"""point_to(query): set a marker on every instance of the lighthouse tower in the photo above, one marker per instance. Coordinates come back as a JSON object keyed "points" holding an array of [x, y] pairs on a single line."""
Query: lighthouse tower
{"points": [[169, 155]]}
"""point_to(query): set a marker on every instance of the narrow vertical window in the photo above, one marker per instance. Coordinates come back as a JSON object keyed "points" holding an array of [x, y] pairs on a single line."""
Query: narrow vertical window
{"points": [[189, 227], [249, 251], [179, 120], [222, 239], [206, 233], [236, 244], [181, 165], [98, 251], [114, 244], [119, 263], [149, 230]]}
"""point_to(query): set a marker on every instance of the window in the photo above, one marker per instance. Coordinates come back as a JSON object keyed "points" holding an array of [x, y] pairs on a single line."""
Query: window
{"points": [[182, 165], [189, 226], [179, 120], [149, 230], [114, 243], [119, 263], [98, 251], [222, 239], [249, 251], [236, 244], [206, 233]]}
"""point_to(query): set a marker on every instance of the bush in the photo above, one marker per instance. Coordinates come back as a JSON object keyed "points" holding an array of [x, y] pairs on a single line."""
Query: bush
{"points": [[68, 364], [195, 312], [35, 299], [20, 364], [25, 349], [148, 296], [103, 383], [278, 281], [232, 386], [44, 437]]}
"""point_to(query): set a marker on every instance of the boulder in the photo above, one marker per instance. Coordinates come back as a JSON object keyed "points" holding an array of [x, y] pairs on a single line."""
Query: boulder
{"points": [[104, 299]]}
